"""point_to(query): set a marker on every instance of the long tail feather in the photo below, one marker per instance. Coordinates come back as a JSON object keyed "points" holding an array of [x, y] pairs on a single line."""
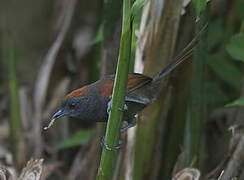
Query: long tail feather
{"points": [[184, 55]]}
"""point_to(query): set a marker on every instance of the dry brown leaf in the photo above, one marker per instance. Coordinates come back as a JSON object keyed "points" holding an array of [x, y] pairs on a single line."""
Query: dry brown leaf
{"points": [[32, 171], [187, 174]]}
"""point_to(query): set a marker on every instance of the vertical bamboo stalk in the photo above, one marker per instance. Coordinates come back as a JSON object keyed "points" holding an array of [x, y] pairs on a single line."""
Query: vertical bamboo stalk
{"points": [[110, 31], [162, 28], [109, 156], [234, 167], [196, 112], [15, 121]]}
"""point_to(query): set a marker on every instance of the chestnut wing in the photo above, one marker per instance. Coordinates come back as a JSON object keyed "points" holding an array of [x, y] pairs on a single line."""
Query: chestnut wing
{"points": [[135, 81]]}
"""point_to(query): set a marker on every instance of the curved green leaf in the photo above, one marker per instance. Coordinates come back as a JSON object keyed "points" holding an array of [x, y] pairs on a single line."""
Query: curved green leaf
{"points": [[236, 47], [200, 5], [137, 6], [225, 69], [79, 138], [237, 102]]}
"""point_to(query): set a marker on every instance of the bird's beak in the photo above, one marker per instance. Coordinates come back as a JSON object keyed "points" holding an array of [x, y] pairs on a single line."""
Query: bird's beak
{"points": [[60, 113]]}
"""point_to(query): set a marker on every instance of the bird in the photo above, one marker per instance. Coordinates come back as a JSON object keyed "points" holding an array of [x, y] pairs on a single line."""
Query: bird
{"points": [[92, 102]]}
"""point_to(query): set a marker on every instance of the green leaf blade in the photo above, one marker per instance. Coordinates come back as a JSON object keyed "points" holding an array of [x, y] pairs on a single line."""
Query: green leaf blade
{"points": [[225, 69], [200, 5], [137, 6], [237, 102], [236, 47], [79, 138]]}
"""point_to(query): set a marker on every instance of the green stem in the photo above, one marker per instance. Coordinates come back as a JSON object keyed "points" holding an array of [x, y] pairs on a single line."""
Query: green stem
{"points": [[14, 102], [109, 157], [197, 108], [242, 27]]}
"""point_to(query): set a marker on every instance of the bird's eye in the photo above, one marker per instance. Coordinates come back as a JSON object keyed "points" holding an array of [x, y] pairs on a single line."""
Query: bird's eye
{"points": [[72, 105]]}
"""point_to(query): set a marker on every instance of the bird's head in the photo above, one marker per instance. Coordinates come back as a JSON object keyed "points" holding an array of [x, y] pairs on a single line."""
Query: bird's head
{"points": [[73, 105]]}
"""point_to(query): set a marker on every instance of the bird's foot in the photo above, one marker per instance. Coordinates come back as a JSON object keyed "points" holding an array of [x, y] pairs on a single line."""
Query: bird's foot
{"points": [[106, 146], [129, 125], [121, 109], [125, 108]]}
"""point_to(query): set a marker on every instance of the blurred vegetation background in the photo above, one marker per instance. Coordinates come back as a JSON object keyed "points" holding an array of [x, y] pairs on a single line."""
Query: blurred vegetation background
{"points": [[51, 47]]}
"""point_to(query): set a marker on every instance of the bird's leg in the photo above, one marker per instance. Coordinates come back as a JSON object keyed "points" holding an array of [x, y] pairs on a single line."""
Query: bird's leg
{"points": [[123, 129], [129, 125], [124, 109], [106, 146], [110, 104]]}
